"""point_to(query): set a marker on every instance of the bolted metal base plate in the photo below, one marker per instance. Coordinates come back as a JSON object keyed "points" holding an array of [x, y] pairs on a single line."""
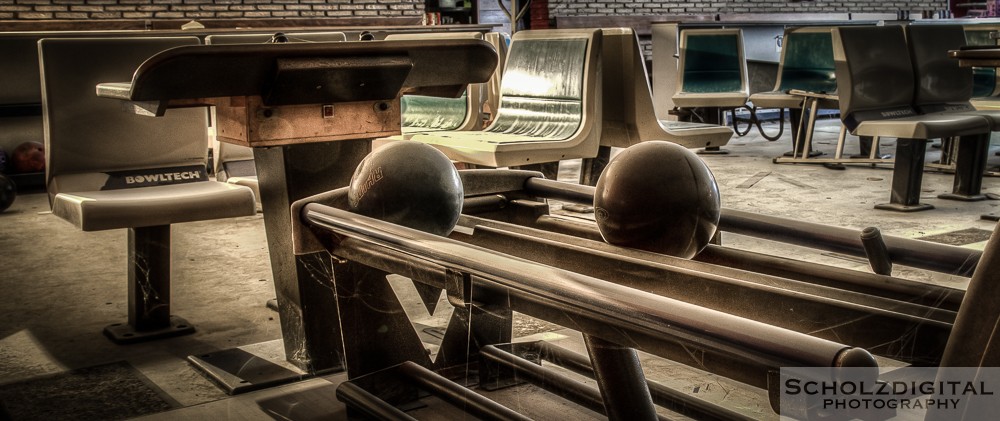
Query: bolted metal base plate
{"points": [[896, 207], [962, 197], [238, 370], [714, 150], [124, 333]]}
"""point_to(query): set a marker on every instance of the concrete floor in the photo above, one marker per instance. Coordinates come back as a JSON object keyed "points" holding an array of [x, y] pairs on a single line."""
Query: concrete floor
{"points": [[62, 286]]}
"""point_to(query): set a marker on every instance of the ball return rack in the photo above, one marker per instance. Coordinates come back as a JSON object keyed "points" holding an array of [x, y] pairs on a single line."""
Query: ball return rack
{"points": [[510, 255]]}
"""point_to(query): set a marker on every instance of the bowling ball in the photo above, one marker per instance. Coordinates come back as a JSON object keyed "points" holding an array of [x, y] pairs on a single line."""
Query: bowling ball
{"points": [[410, 184], [28, 157], [8, 192], [660, 197]]}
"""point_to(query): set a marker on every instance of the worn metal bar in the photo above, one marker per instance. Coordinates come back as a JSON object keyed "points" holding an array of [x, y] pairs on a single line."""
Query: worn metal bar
{"points": [[664, 396], [453, 393], [878, 285], [559, 190], [714, 356], [916, 253], [369, 405], [620, 380], [874, 323], [935, 296], [616, 307], [548, 379]]}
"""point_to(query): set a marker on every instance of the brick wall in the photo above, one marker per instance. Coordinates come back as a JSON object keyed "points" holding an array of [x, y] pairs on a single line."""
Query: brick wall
{"points": [[654, 7], [205, 9]]}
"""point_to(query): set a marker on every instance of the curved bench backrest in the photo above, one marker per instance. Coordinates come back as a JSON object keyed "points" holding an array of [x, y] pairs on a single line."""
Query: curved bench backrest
{"points": [[91, 143], [712, 61], [939, 78], [807, 61], [874, 75], [423, 113], [549, 78]]}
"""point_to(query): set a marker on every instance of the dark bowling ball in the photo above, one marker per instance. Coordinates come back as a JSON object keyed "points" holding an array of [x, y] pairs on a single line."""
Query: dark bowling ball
{"points": [[28, 157], [660, 197], [410, 184], [8, 192]]}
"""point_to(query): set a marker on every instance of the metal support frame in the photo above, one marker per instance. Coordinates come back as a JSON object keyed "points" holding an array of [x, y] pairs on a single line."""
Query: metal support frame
{"points": [[517, 285], [302, 282], [804, 129], [907, 174], [148, 289], [970, 164], [620, 380]]}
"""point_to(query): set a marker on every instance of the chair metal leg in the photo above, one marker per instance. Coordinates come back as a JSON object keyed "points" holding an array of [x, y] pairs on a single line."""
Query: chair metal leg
{"points": [[841, 140], [907, 174], [148, 289], [970, 163]]}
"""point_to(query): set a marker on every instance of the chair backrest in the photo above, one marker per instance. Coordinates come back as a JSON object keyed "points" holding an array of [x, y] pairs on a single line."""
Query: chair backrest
{"points": [[629, 116], [874, 75], [550, 83], [91, 143], [422, 113], [807, 60], [712, 61], [939, 79], [235, 160], [19, 65], [491, 101], [984, 79]]}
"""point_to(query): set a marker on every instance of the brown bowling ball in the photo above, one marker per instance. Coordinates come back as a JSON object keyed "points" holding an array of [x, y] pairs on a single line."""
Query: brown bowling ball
{"points": [[410, 184], [660, 197], [28, 157]]}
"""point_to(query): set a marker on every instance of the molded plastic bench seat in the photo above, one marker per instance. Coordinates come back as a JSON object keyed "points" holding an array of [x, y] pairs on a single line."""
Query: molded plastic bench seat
{"points": [[944, 88], [109, 169], [151, 206], [876, 85], [428, 113], [549, 109], [422, 113], [806, 64], [628, 115], [712, 69]]}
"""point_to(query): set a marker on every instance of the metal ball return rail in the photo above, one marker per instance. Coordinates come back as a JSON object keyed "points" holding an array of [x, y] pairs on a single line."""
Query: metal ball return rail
{"points": [[330, 265]]}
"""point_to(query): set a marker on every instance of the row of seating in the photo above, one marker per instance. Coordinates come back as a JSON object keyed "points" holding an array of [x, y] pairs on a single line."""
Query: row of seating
{"points": [[590, 94], [806, 83], [893, 83]]}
